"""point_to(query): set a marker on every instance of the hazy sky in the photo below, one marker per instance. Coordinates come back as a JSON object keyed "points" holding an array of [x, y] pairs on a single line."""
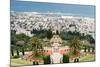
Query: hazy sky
{"points": [[70, 9]]}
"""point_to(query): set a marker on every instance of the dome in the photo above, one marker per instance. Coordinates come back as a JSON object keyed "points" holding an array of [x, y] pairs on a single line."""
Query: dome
{"points": [[56, 39]]}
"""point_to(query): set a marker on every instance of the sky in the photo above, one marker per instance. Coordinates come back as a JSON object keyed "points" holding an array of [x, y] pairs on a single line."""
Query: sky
{"points": [[42, 7]]}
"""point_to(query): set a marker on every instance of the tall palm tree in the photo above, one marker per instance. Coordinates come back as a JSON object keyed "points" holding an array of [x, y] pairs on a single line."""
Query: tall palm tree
{"points": [[36, 45], [75, 44]]}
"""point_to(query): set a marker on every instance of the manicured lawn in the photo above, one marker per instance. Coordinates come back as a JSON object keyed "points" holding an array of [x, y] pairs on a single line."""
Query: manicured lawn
{"points": [[89, 57], [18, 62], [21, 62]]}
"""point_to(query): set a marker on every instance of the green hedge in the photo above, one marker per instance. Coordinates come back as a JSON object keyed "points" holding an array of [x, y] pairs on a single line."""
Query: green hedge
{"points": [[46, 60], [65, 59]]}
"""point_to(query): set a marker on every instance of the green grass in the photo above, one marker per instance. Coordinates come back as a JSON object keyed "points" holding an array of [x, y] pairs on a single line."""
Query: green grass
{"points": [[19, 62], [88, 57]]}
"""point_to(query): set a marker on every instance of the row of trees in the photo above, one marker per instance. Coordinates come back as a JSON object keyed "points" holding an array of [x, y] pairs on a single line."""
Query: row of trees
{"points": [[69, 36], [43, 33], [77, 44], [22, 43]]}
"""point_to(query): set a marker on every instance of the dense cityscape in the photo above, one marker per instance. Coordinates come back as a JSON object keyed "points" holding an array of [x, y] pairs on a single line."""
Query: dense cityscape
{"points": [[26, 22]]}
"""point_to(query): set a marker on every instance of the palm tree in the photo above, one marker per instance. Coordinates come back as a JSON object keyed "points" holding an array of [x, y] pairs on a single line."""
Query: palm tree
{"points": [[36, 45], [75, 44]]}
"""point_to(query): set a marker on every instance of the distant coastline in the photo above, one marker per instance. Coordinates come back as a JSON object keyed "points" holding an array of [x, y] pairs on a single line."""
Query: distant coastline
{"points": [[63, 9], [52, 14]]}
